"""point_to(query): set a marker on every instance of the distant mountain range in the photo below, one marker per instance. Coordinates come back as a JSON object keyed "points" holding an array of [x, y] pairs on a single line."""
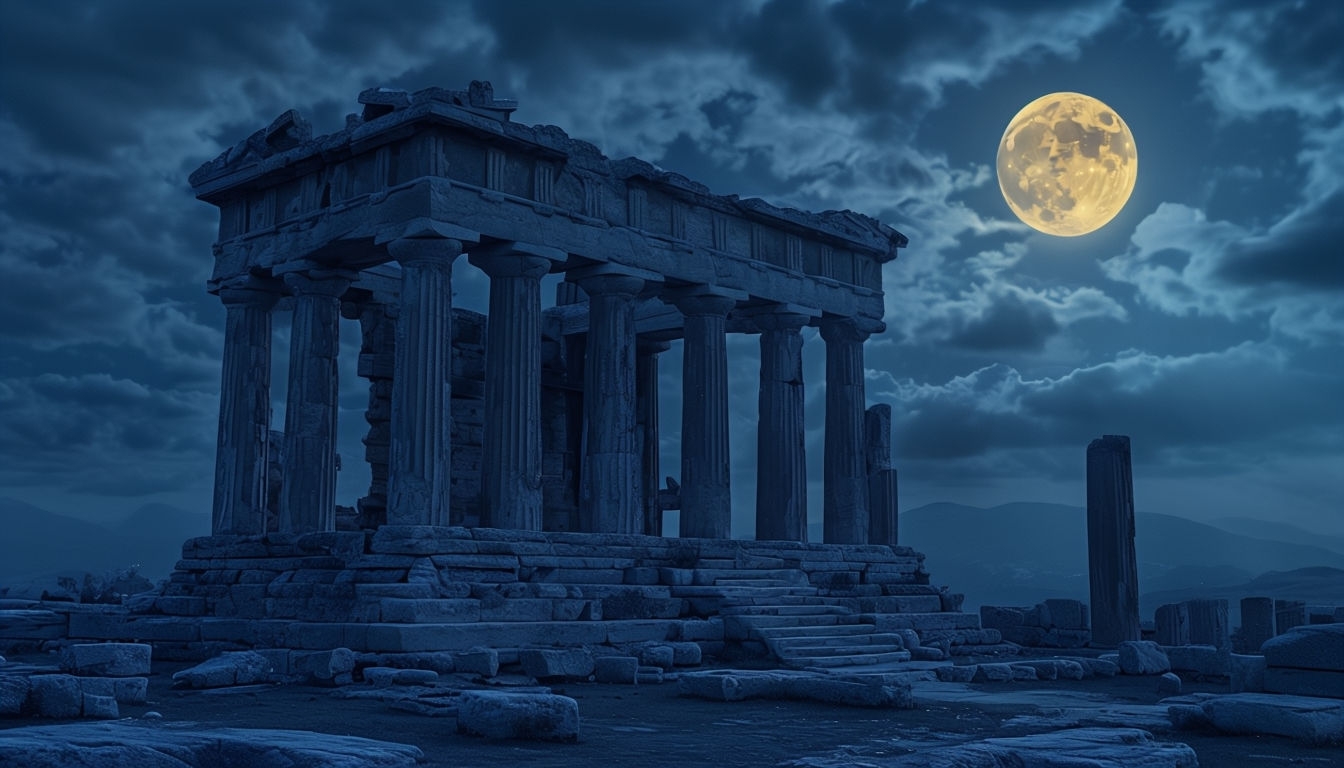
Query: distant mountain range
{"points": [[1023, 552], [39, 543]]}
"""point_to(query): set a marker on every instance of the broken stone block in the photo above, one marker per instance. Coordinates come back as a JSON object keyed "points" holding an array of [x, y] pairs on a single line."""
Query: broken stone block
{"points": [[107, 659], [1169, 684], [616, 669], [100, 707], [1309, 646], [571, 663], [686, 654], [56, 696], [1143, 657], [1200, 660], [1313, 720], [648, 675], [126, 690], [323, 666], [531, 716], [661, 656], [955, 674], [1100, 667], [1304, 682], [483, 662], [13, 693], [229, 668], [992, 673], [383, 677], [1246, 673]]}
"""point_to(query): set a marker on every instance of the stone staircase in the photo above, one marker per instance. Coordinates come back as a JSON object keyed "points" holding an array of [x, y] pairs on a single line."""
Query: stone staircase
{"points": [[799, 626]]}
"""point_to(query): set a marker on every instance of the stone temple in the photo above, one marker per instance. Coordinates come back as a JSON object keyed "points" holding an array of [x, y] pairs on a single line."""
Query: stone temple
{"points": [[515, 497]]}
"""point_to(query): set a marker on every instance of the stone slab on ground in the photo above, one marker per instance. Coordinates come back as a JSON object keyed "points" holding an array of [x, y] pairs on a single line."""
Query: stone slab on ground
{"points": [[100, 707], [230, 668], [107, 659], [569, 663], [737, 685], [1310, 646], [508, 715], [1142, 657], [1303, 682], [13, 693], [1068, 748], [1305, 718], [55, 696], [193, 745]]}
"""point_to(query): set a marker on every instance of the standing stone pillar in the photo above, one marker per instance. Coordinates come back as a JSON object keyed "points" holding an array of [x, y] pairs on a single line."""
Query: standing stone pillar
{"points": [[845, 470], [1112, 569], [511, 443], [611, 454], [1257, 623], [244, 413], [1208, 622], [882, 520], [646, 420], [706, 500], [781, 465], [418, 475], [308, 496]]}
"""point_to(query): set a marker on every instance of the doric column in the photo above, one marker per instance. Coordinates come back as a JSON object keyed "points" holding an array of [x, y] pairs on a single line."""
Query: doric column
{"points": [[244, 413], [418, 473], [845, 471], [646, 404], [706, 500], [1113, 573], [511, 444], [611, 460], [308, 497], [781, 466]]}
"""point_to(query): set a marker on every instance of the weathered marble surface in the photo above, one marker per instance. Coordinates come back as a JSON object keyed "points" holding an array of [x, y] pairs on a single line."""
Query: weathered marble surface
{"points": [[194, 745], [1112, 565]]}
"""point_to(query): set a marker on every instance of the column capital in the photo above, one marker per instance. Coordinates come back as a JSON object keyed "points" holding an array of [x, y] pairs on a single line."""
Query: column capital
{"points": [[319, 282], [779, 317], [425, 250], [249, 295], [845, 329], [502, 262], [647, 346], [702, 300], [611, 284]]}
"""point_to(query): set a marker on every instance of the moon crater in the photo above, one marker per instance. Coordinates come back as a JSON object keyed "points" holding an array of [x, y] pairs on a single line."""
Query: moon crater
{"points": [[1067, 164]]}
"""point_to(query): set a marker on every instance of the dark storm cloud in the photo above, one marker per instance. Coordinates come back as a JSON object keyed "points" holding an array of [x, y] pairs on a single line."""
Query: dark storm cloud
{"points": [[1208, 402], [1010, 323], [78, 77], [96, 434], [1302, 251]]}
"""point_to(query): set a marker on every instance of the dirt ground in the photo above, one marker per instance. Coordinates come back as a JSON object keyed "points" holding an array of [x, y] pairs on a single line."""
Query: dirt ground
{"points": [[652, 726]]}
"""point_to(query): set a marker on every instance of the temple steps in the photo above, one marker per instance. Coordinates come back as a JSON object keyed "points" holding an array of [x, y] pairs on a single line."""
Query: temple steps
{"points": [[855, 660], [799, 642], [783, 610]]}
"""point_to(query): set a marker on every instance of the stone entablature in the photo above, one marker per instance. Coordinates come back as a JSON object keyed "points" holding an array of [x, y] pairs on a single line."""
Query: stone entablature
{"points": [[412, 161]]}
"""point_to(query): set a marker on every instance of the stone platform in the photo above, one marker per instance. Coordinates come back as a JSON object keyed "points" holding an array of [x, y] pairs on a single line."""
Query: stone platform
{"points": [[404, 589]]}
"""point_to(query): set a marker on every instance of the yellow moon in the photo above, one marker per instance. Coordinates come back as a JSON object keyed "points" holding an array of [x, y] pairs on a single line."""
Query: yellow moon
{"points": [[1067, 164]]}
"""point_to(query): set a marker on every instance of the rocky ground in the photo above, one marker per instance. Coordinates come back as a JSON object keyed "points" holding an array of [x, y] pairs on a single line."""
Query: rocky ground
{"points": [[652, 725]]}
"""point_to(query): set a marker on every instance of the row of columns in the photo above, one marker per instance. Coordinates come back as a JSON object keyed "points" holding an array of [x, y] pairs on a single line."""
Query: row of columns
{"points": [[615, 487]]}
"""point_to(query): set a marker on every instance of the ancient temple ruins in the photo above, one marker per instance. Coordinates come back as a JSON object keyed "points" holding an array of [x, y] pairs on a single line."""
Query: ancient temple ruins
{"points": [[563, 428]]}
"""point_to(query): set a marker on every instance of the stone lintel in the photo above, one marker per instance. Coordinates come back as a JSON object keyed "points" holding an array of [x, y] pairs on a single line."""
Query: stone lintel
{"points": [[515, 248], [426, 227]]}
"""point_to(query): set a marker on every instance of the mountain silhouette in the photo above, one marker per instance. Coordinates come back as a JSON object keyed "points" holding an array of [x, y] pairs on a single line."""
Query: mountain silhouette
{"points": [[38, 542], [1023, 552]]}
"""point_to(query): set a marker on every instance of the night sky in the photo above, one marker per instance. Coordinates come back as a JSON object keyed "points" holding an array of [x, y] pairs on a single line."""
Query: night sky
{"points": [[1206, 321]]}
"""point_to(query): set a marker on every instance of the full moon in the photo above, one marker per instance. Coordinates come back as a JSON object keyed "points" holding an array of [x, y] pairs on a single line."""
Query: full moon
{"points": [[1067, 164]]}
